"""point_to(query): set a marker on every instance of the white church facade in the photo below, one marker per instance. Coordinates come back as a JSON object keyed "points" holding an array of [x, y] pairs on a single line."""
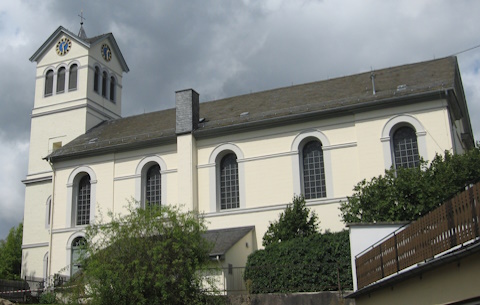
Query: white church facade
{"points": [[238, 160]]}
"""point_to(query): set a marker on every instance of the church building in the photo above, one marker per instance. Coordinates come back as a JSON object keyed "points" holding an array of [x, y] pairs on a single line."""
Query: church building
{"points": [[238, 160]]}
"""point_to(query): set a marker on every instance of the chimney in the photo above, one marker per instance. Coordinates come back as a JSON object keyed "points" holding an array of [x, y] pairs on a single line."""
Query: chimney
{"points": [[187, 111]]}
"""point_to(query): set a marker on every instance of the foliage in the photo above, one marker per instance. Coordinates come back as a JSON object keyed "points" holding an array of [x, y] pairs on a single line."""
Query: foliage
{"points": [[407, 194], [48, 298], [11, 254], [148, 256], [317, 262], [296, 221]]}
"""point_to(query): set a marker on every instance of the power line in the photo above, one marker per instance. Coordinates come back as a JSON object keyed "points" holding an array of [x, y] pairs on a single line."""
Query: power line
{"points": [[469, 49]]}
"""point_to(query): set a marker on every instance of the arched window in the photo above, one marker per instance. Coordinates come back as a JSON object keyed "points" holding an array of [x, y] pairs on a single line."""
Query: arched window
{"points": [[405, 148], [153, 186], [49, 83], [313, 170], [104, 84], [96, 79], [72, 77], [48, 211], [229, 183], [82, 208], [78, 249], [112, 89], [61, 80]]}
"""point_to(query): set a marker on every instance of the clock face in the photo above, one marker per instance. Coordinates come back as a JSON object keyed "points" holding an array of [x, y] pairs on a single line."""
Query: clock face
{"points": [[63, 46], [106, 52]]}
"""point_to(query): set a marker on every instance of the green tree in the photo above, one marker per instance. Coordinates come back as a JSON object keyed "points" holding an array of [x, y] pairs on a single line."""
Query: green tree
{"points": [[296, 221], [407, 194], [148, 256], [297, 257], [11, 254], [318, 262]]}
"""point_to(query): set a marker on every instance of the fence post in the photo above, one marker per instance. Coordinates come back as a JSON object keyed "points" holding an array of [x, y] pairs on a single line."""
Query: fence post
{"points": [[396, 251], [451, 223], [381, 259], [471, 197]]}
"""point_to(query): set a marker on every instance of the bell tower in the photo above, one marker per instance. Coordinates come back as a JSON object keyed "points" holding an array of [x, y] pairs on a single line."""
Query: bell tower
{"points": [[78, 85]]}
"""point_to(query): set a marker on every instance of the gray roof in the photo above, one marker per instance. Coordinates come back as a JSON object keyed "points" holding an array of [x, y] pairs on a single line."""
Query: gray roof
{"points": [[224, 239], [394, 86]]}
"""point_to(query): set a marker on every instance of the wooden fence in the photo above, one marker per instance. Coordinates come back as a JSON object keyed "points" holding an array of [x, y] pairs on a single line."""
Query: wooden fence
{"points": [[455, 222]]}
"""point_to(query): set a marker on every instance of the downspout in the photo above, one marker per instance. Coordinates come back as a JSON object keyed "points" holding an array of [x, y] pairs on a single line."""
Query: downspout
{"points": [[51, 220]]}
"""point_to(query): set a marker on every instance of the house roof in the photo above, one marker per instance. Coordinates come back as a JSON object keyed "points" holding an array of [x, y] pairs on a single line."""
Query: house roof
{"points": [[87, 42], [224, 239], [334, 97]]}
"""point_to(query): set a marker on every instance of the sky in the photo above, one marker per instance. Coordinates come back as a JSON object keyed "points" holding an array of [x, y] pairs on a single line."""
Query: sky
{"points": [[224, 48]]}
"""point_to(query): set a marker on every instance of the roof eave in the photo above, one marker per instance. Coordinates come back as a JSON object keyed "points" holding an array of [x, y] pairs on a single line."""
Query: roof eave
{"points": [[342, 110], [52, 37], [112, 149]]}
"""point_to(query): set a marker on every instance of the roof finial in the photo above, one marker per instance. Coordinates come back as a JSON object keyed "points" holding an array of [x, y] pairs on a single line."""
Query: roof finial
{"points": [[82, 33]]}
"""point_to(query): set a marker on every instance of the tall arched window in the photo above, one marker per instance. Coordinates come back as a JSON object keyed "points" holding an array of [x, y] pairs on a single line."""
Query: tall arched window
{"points": [[405, 148], [49, 83], [82, 209], [229, 184], [48, 211], [61, 80], [153, 186], [112, 89], [96, 79], [78, 248], [313, 170], [104, 84], [72, 77]]}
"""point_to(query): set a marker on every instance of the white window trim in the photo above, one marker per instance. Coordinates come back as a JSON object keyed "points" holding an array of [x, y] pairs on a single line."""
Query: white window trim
{"points": [[141, 177], [54, 81], [296, 150], [71, 193], [48, 207], [69, 250], [214, 161], [45, 269], [387, 133], [67, 80]]}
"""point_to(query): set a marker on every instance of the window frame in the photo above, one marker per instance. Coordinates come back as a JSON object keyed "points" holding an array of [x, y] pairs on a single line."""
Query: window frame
{"points": [[112, 89], [141, 178], [61, 79], [302, 150], [214, 176], [297, 170], [96, 79], [80, 197], [391, 125], [73, 77], [146, 185], [48, 209], [72, 190], [410, 153], [49, 75], [222, 158]]}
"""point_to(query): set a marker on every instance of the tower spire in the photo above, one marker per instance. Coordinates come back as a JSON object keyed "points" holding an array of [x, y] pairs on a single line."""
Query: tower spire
{"points": [[82, 33]]}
